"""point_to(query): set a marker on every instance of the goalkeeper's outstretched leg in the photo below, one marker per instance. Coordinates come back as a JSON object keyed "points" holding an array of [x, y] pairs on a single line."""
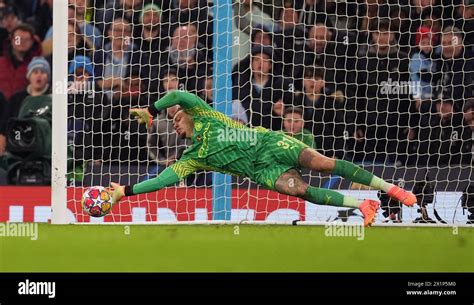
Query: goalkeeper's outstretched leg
{"points": [[291, 183], [311, 159]]}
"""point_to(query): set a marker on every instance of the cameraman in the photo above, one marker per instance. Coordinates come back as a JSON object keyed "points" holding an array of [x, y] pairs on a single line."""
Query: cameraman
{"points": [[38, 75]]}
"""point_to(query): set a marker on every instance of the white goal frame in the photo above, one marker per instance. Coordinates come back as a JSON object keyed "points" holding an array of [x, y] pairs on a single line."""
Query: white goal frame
{"points": [[59, 124]]}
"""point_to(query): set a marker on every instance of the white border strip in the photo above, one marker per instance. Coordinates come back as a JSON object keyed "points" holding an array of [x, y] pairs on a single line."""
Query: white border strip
{"points": [[297, 223]]}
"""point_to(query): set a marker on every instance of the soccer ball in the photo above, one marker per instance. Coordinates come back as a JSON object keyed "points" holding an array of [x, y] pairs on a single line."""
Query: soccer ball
{"points": [[96, 201]]}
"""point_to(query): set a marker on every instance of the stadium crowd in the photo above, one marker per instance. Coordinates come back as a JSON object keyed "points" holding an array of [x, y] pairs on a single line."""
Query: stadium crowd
{"points": [[371, 81]]}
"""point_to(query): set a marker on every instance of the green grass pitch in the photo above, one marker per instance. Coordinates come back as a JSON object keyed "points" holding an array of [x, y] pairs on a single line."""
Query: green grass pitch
{"points": [[218, 248]]}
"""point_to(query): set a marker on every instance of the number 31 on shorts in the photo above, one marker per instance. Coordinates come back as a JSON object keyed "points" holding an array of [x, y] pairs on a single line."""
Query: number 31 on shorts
{"points": [[285, 143]]}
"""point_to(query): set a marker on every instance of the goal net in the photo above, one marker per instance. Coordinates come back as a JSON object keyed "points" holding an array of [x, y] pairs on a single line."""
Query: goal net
{"points": [[384, 84]]}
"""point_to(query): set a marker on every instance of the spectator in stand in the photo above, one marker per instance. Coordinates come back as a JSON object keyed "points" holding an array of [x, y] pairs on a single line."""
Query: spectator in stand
{"points": [[23, 46], [343, 14], [114, 63], [288, 23], [457, 67], [38, 76], [129, 10], [323, 113], [424, 69], [313, 91], [261, 37], [190, 11], [246, 17], [129, 139], [401, 24], [465, 22], [77, 15], [432, 19], [312, 12], [206, 92], [424, 75], [169, 81], [444, 137], [43, 17], [150, 36], [9, 19], [260, 91], [418, 6], [469, 119], [293, 125], [190, 58], [77, 43], [89, 122], [289, 38], [322, 50], [81, 75], [369, 13], [382, 108]]}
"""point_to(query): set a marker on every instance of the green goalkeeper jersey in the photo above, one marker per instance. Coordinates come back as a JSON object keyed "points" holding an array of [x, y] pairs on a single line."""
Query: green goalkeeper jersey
{"points": [[221, 144]]}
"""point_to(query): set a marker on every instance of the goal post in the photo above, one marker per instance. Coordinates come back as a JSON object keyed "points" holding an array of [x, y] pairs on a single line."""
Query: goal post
{"points": [[59, 122], [222, 45]]}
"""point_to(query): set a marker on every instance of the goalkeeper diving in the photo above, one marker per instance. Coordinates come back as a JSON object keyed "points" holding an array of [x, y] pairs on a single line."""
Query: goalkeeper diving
{"points": [[269, 158]]}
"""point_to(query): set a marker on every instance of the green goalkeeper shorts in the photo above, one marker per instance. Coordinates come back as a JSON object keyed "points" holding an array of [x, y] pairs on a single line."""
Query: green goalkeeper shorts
{"points": [[276, 154]]}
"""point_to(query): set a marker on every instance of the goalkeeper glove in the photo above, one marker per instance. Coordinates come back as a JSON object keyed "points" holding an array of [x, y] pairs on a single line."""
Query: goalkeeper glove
{"points": [[143, 116]]}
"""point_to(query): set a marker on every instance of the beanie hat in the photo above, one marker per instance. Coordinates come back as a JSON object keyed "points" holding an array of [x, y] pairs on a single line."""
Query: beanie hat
{"points": [[81, 62], [149, 7], [424, 32], [39, 62]]}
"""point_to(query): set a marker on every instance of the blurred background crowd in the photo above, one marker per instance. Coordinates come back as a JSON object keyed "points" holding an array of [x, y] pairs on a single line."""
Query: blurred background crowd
{"points": [[371, 81]]}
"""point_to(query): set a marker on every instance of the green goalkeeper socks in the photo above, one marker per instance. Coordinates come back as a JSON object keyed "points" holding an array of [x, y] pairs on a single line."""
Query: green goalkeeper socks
{"points": [[357, 174], [328, 197], [353, 173]]}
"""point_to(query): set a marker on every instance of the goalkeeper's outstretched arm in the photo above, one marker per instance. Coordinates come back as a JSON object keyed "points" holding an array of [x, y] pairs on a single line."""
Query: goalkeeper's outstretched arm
{"points": [[170, 176], [188, 101]]}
